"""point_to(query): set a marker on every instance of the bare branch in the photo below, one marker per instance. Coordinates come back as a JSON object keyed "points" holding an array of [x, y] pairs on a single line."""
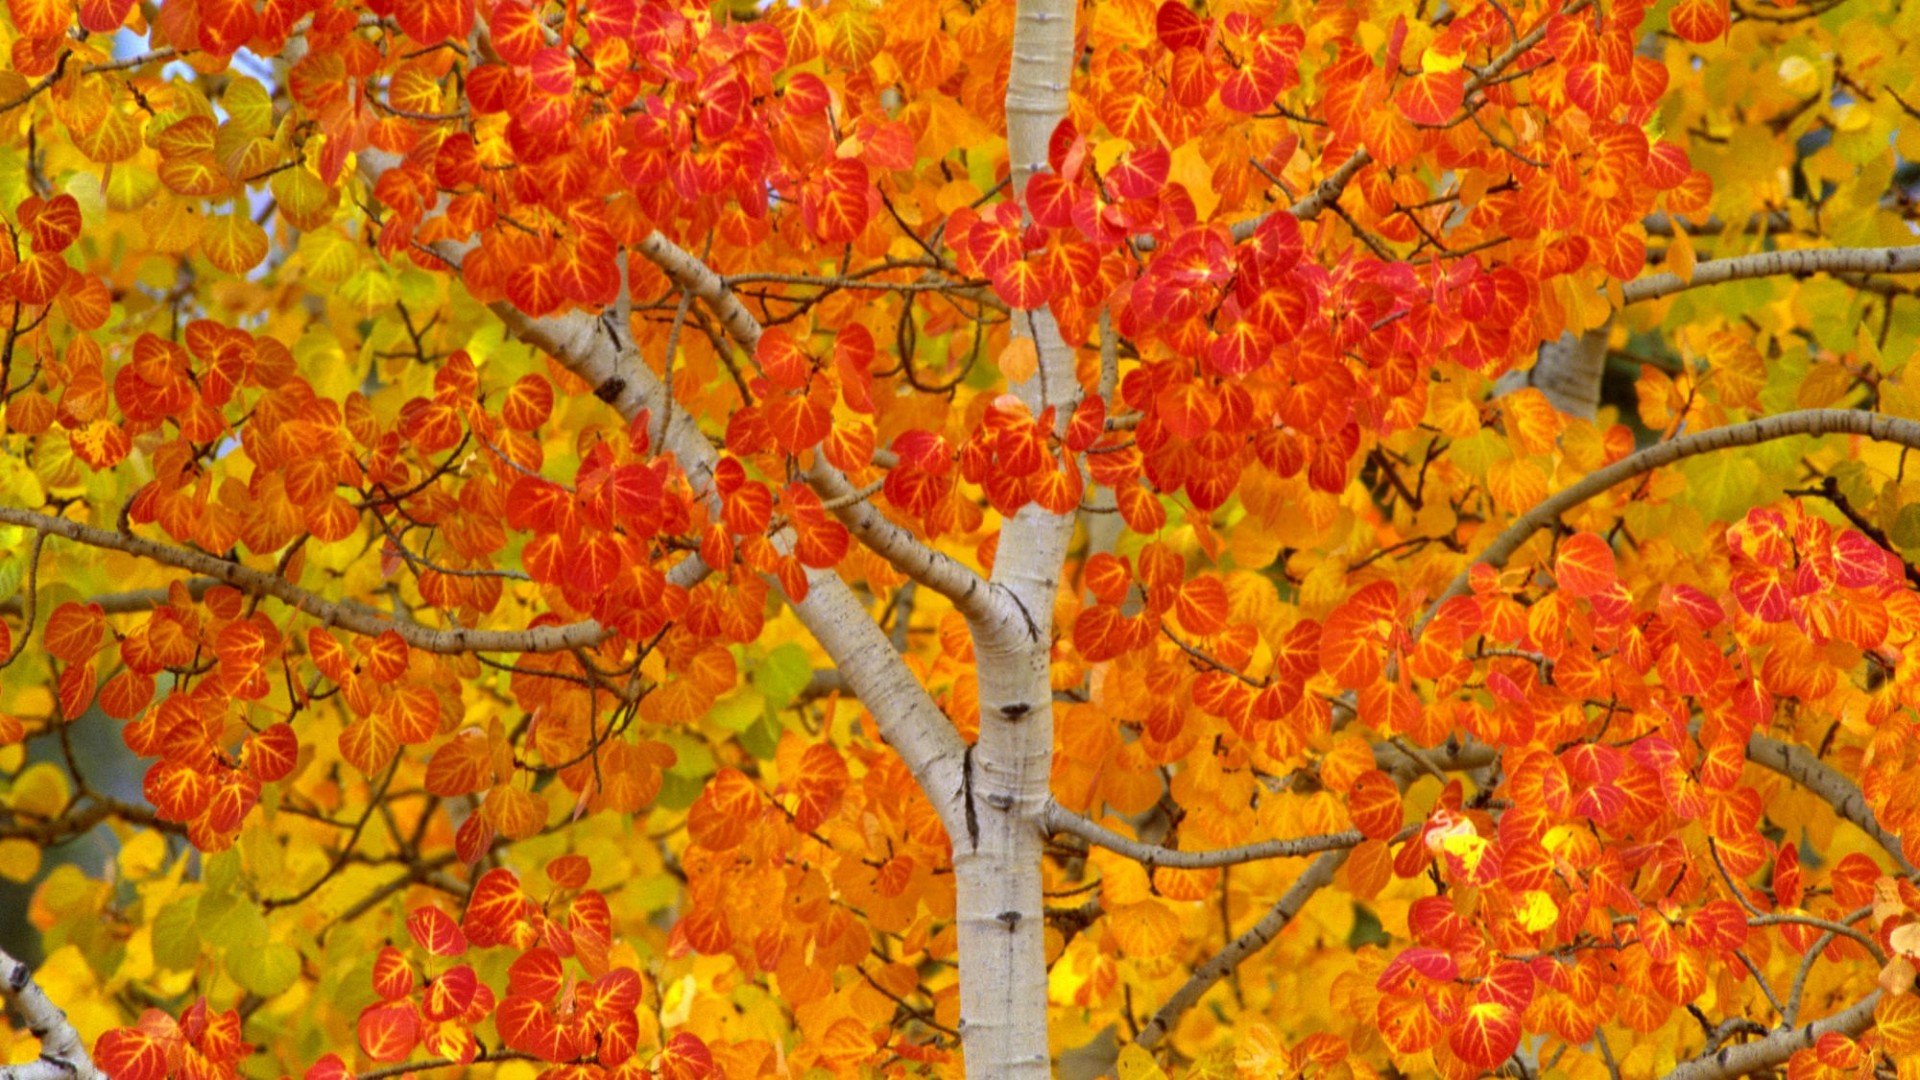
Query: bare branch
{"points": [[120, 603], [895, 543], [342, 613], [63, 1055], [1805, 768], [1800, 262], [1766, 429], [1059, 819], [1317, 876], [1768, 1052]]}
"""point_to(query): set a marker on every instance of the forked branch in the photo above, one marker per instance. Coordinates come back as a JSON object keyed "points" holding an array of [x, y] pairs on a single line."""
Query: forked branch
{"points": [[906, 552], [1318, 875]]}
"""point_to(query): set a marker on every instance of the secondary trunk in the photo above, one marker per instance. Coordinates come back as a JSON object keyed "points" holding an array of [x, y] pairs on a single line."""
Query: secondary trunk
{"points": [[997, 856]]}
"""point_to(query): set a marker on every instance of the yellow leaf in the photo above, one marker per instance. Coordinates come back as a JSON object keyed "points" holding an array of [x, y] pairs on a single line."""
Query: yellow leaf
{"points": [[142, 855], [1537, 911], [1108, 151], [41, 791], [1680, 256], [19, 860], [1434, 61], [1191, 170], [1137, 1064], [233, 242], [1799, 76]]}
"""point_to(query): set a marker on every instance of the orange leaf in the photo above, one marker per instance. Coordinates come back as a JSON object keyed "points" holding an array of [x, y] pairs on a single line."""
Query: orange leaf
{"points": [[73, 632], [1374, 805], [821, 782], [1584, 565], [435, 931], [719, 818]]}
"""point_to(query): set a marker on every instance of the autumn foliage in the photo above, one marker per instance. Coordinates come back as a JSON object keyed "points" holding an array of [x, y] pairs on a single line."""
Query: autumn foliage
{"points": [[629, 538]]}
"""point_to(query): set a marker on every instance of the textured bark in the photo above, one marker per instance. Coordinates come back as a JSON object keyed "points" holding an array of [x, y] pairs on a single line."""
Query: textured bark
{"points": [[1805, 768], [1568, 370], [63, 1055], [1771, 1050], [997, 859]]}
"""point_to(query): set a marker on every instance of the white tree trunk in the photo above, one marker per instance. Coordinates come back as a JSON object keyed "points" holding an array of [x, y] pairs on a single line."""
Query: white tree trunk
{"points": [[1568, 371], [997, 857]]}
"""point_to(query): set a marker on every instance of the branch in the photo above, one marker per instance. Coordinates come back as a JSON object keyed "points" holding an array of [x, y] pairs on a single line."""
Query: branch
{"points": [[1799, 263], [895, 543], [1765, 1053], [1059, 819], [1805, 768], [63, 1055], [345, 614], [906, 716], [121, 603], [1317, 876], [1766, 429], [901, 548]]}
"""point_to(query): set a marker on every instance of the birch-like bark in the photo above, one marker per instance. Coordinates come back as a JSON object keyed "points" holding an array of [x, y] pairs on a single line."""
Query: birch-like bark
{"points": [[907, 717], [1777, 1047], [63, 1054], [997, 859], [1568, 370]]}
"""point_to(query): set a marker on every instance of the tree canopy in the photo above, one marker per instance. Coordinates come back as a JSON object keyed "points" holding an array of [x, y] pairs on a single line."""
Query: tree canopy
{"points": [[635, 538]]}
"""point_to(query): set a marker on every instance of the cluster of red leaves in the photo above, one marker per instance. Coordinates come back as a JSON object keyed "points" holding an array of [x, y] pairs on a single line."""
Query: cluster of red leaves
{"points": [[653, 116], [583, 1028], [201, 1045], [212, 760]]}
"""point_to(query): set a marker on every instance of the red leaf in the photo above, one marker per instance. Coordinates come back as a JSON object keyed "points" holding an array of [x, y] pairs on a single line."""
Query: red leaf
{"points": [[1486, 1035], [131, 1054], [1179, 27], [389, 1032], [1140, 174], [537, 973], [435, 931], [448, 996], [1433, 97], [392, 974]]}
